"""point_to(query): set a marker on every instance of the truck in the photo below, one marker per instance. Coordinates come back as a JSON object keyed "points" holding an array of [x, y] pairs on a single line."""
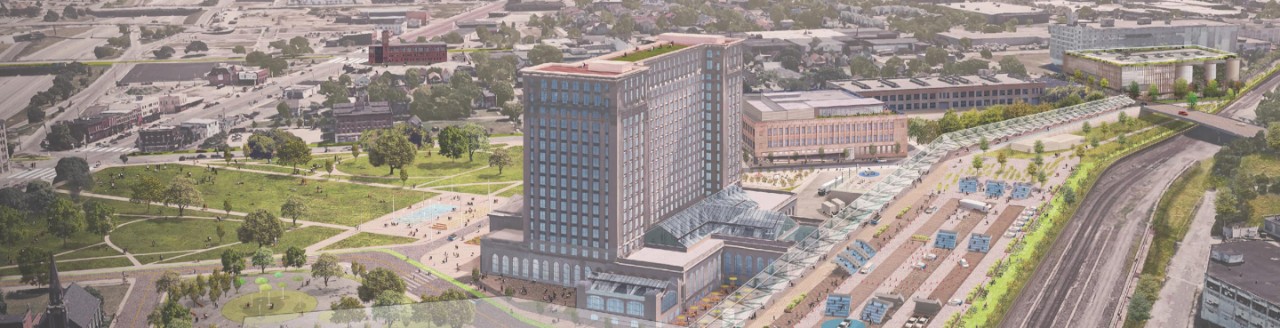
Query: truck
{"points": [[826, 187], [975, 205]]}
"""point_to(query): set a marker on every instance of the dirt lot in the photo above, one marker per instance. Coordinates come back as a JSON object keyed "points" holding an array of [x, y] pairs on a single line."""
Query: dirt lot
{"points": [[18, 91], [166, 72]]}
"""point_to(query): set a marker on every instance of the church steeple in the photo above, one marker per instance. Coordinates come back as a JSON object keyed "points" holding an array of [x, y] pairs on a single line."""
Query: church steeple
{"points": [[55, 316]]}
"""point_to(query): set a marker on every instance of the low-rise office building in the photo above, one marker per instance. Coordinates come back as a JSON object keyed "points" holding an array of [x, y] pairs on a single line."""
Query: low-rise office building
{"points": [[946, 92], [999, 13], [821, 123], [407, 53], [1241, 288], [104, 123], [202, 127], [163, 138], [1159, 66], [1112, 33]]}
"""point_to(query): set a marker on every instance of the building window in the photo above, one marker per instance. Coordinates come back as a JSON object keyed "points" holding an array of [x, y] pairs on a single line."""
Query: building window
{"points": [[614, 306], [595, 302], [634, 308]]}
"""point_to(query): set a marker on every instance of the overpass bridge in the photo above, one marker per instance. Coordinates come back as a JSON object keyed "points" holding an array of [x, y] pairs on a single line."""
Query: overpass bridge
{"points": [[1215, 122]]}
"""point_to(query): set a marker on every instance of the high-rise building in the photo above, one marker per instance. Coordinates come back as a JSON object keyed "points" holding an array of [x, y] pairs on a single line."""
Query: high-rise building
{"points": [[1110, 33], [631, 191], [1240, 285]]}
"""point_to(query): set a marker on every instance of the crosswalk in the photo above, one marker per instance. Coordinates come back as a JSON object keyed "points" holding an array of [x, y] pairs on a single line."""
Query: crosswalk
{"points": [[44, 173], [419, 279], [107, 149], [348, 60]]}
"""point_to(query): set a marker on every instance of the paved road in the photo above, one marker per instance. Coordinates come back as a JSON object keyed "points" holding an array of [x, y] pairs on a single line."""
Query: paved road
{"points": [[1216, 122], [1081, 282], [1185, 274]]}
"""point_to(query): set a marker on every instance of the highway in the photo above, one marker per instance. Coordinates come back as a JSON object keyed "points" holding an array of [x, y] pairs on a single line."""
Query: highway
{"points": [[1081, 281], [447, 25]]}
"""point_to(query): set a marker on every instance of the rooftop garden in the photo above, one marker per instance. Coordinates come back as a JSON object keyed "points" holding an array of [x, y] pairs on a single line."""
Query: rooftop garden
{"points": [[635, 56]]}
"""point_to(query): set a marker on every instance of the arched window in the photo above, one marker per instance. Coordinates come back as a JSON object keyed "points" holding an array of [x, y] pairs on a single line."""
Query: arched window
{"points": [[546, 271], [588, 272], [515, 266], [635, 308], [750, 267], [760, 263], [555, 271], [577, 273], [536, 274], [493, 265], [525, 267], [614, 305], [566, 275], [506, 265], [737, 259], [595, 303]]}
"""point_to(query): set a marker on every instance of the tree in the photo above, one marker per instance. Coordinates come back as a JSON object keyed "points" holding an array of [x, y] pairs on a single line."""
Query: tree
{"points": [[226, 206], [182, 193], [983, 144], [393, 149], [1104, 83], [966, 43], [347, 310], [502, 92], [1002, 158], [985, 53], [262, 258], [283, 111], [74, 172], [623, 28], [10, 218], [294, 152], [221, 232], [101, 52], [294, 257], [170, 314], [326, 267], [238, 50], [377, 281], [404, 177], [1012, 66], [935, 56], [977, 163], [1192, 100], [500, 158], [387, 307], [260, 146], [65, 219], [476, 139], [1153, 91], [1273, 135], [328, 166], [1179, 88], [51, 16], [452, 141], [59, 137], [32, 266], [1134, 90], [97, 216], [355, 151], [196, 46], [70, 12], [169, 280], [293, 208], [512, 110], [1039, 147], [164, 52], [147, 190], [543, 53], [260, 227], [232, 262], [1068, 194]]}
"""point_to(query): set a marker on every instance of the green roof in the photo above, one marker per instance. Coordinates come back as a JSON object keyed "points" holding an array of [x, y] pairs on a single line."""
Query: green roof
{"points": [[636, 56]]}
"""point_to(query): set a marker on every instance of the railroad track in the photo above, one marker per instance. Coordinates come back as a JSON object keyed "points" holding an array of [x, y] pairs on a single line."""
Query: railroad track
{"points": [[1086, 236]]}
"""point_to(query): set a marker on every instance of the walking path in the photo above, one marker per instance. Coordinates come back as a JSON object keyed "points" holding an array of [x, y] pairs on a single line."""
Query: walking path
{"points": [[1179, 296]]}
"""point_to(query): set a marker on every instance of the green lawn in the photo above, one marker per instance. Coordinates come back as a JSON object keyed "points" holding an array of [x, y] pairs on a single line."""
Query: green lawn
{"points": [[172, 234], [123, 207], [365, 239], [475, 189], [1264, 164], [1115, 128], [152, 258], [262, 167], [1264, 205], [514, 172], [36, 236], [329, 202], [518, 190], [301, 237], [635, 56], [63, 266], [284, 301], [95, 251], [434, 165]]}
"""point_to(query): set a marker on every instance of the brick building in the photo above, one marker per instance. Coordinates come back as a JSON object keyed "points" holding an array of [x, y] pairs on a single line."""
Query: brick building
{"points": [[948, 92], [407, 53], [105, 123], [352, 119], [821, 123], [226, 74], [163, 138]]}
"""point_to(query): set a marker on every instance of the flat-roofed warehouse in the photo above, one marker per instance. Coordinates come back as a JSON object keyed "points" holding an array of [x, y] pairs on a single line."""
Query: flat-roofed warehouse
{"points": [[1241, 287], [1159, 66], [946, 92], [999, 13]]}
